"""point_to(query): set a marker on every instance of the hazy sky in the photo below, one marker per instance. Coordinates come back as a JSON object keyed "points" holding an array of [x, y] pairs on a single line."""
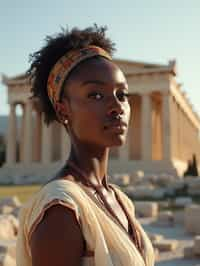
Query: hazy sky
{"points": [[146, 30]]}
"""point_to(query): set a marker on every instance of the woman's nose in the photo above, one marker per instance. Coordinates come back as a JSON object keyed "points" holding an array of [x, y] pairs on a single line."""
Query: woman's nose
{"points": [[115, 106]]}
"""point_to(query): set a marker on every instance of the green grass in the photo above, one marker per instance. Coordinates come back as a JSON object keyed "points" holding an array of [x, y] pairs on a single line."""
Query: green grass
{"points": [[22, 192]]}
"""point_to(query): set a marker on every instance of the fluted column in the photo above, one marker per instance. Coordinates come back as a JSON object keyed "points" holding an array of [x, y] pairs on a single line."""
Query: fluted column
{"points": [[135, 128], [37, 136], [146, 127], [65, 144], [28, 137], [21, 136], [46, 143], [166, 110], [156, 130], [11, 137]]}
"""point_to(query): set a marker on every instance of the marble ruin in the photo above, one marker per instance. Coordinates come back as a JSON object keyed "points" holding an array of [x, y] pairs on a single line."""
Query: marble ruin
{"points": [[163, 133]]}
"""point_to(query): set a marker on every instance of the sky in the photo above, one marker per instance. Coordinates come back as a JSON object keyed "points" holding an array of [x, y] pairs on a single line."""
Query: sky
{"points": [[152, 31]]}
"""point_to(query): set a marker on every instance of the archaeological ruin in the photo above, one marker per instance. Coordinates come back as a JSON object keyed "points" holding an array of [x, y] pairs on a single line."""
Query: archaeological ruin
{"points": [[163, 133]]}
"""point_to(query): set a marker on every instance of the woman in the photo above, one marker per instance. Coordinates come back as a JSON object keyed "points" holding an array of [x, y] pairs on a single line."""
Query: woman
{"points": [[79, 218]]}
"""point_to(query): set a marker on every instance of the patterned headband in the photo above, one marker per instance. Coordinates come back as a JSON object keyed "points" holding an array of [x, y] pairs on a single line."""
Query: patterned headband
{"points": [[64, 65]]}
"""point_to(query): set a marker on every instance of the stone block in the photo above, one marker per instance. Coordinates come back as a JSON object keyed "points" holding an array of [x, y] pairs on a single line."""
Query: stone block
{"points": [[178, 184], [6, 209], [129, 190], [194, 191], [8, 227], [192, 219], [170, 191], [179, 217], [183, 201], [15, 212], [165, 179], [122, 179], [166, 245], [155, 237], [164, 204], [158, 193], [8, 248], [146, 208], [193, 186], [136, 176], [192, 181], [6, 260], [165, 218], [141, 192], [125, 180], [188, 252], [197, 245], [10, 201]]}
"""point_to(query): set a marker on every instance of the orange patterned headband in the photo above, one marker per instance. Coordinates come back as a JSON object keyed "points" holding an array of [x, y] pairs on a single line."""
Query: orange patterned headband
{"points": [[63, 67]]}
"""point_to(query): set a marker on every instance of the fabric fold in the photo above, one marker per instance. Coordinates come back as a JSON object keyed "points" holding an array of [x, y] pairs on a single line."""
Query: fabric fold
{"points": [[111, 244]]}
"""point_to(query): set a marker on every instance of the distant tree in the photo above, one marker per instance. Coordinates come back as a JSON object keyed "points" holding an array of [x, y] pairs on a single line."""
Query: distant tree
{"points": [[2, 150], [194, 165], [192, 169]]}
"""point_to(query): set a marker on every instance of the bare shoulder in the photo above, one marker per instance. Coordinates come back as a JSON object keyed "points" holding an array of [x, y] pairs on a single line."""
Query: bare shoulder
{"points": [[57, 239]]}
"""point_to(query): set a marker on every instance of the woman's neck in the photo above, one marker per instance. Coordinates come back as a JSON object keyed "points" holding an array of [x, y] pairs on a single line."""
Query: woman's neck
{"points": [[92, 161]]}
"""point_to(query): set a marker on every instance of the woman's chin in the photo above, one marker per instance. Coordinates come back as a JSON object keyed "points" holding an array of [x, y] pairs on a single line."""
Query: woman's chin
{"points": [[118, 141]]}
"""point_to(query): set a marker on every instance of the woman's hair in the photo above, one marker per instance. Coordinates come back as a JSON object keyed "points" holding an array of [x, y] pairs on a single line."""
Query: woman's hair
{"points": [[55, 47]]}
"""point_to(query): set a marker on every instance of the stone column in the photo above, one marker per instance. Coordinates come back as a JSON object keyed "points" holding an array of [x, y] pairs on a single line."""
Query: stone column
{"points": [[178, 132], [181, 133], [65, 144], [46, 143], [175, 129], [124, 149], [37, 137], [21, 136], [156, 130], [146, 127], [166, 111], [11, 136], [28, 131], [135, 129]]}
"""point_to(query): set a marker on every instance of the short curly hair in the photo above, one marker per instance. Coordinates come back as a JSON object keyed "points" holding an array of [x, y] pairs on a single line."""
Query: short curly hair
{"points": [[55, 47]]}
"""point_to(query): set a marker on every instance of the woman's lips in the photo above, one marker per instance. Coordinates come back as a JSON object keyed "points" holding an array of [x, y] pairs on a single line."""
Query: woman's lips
{"points": [[117, 126]]}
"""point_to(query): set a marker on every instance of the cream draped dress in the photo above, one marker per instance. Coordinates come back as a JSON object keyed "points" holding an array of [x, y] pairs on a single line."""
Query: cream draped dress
{"points": [[110, 244]]}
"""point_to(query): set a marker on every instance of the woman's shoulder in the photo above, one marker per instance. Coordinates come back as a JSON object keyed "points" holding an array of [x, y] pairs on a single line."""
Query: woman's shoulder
{"points": [[56, 191], [59, 184]]}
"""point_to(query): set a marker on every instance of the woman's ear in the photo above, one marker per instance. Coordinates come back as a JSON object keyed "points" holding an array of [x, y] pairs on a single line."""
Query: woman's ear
{"points": [[62, 112]]}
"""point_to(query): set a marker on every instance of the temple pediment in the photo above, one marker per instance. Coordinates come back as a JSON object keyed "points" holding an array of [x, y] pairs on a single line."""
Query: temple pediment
{"points": [[135, 67], [128, 67]]}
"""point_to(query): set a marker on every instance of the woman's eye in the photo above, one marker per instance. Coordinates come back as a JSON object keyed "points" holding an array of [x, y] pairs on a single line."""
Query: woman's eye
{"points": [[95, 95], [122, 96]]}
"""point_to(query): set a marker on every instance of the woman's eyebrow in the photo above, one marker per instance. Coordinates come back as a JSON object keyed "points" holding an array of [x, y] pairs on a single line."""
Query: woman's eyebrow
{"points": [[93, 82], [99, 82]]}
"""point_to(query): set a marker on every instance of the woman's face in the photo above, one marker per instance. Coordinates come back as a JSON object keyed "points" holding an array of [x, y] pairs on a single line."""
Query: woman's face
{"points": [[99, 109]]}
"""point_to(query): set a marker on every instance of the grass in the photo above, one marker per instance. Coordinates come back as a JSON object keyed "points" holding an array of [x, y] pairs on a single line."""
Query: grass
{"points": [[22, 192]]}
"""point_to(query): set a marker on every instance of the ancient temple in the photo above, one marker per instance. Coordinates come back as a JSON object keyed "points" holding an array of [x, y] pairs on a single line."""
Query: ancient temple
{"points": [[163, 133]]}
